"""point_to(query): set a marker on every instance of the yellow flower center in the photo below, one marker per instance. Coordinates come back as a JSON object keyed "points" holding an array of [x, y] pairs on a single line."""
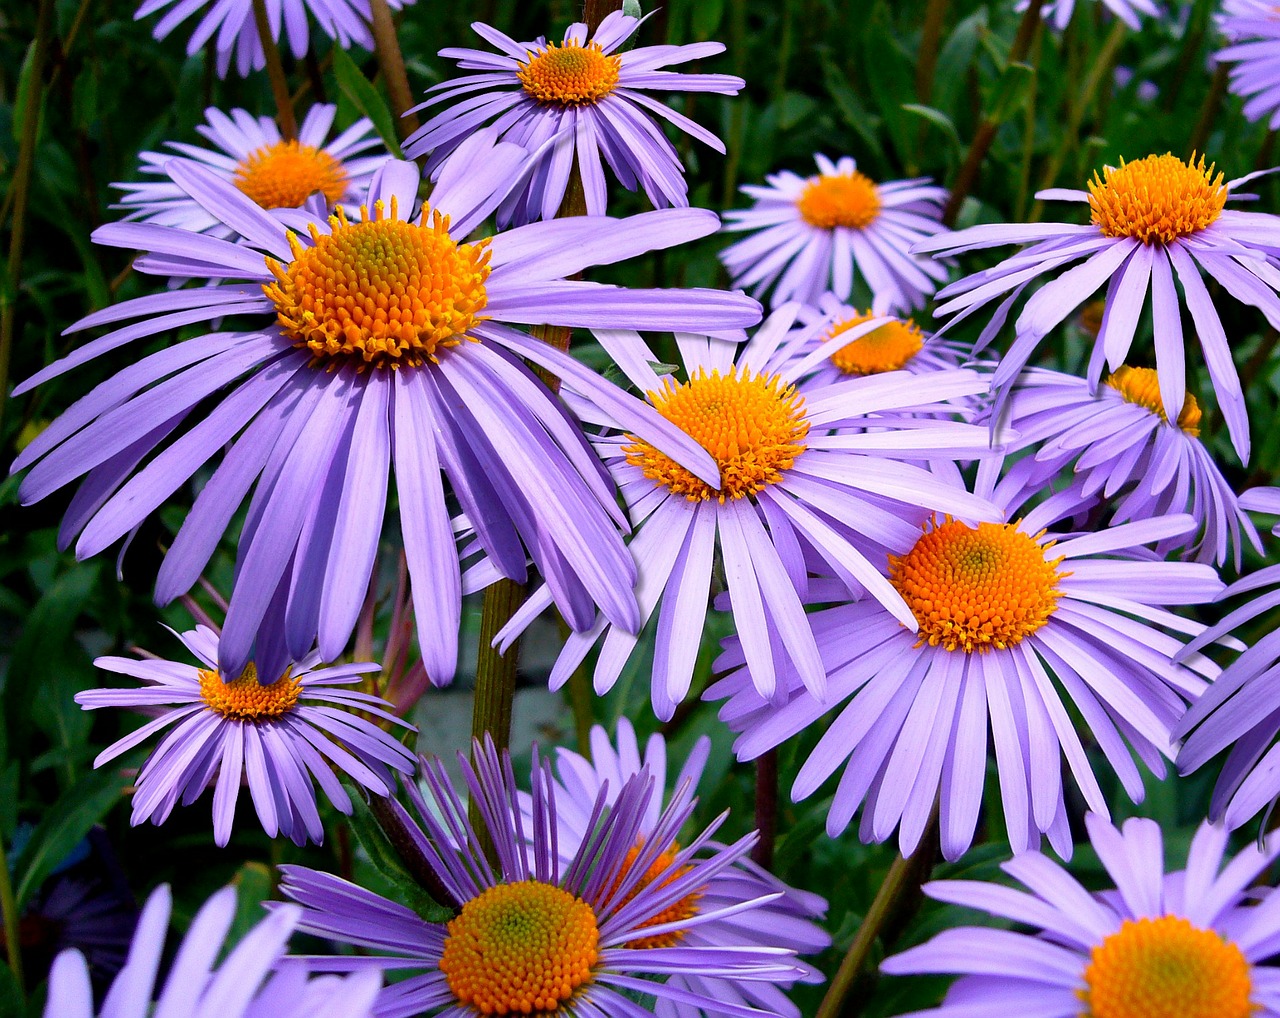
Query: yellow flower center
{"points": [[1166, 968], [974, 589], [662, 873], [753, 427], [849, 199], [287, 173], [381, 291], [570, 75], [1156, 199], [247, 699], [520, 948], [1142, 386], [888, 348]]}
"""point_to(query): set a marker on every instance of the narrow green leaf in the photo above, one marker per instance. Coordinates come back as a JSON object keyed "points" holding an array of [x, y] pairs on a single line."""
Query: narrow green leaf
{"points": [[367, 99], [1012, 91], [938, 119]]}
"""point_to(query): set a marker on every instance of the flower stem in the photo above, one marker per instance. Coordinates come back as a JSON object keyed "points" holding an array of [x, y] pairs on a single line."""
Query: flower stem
{"points": [[391, 62], [766, 808], [926, 63], [9, 907], [1208, 112], [275, 73], [418, 866]]}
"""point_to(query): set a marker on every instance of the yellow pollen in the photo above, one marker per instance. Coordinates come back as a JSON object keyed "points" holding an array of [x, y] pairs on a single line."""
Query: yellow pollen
{"points": [[570, 75], [287, 173], [1142, 386], [976, 589], [888, 348], [662, 873], [753, 427], [247, 699], [1156, 199], [1166, 968], [849, 199], [521, 948], [381, 291]]}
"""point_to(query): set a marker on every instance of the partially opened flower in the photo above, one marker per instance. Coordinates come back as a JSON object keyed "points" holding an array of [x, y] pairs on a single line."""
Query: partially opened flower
{"points": [[1003, 609], [1058, 12], [369, 344], [274, 173], [538, 934], [249, 982], [1253, 29], [284, 734], [822, 232], [1151, 221], [587, 100]]}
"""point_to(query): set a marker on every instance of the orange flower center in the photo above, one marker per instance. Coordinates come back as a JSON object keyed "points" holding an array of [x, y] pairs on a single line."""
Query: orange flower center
{"points": [[753, 427], [974, 589], [247, 699], [570, 75], [888, 348], [848, 199], [1166, 968], [521, 948], [381, 291], [1156, 199], [1142, 386], [287, 173], [661, 873]]}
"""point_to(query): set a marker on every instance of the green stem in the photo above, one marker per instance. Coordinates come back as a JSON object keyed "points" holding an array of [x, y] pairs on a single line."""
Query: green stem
{"points": [[1028, 149], [391, 61], [275, 73], [738, 111], [927, 61], [9, 907]]}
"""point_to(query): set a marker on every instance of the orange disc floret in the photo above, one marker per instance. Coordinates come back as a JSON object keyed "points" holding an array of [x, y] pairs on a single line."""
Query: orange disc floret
{"points": [[1142, 386], [382, 291], [752, 425], [570, 75], [247, 699], [973, 589], [1156, 199], [1166, 968], [847, 199], [888, 348], [522, 948], [287, 173], [662, 872]]}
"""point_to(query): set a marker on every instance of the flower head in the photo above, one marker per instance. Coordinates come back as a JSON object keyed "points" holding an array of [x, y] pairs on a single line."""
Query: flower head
{"points": [[1058, 12], [1252, 27]]}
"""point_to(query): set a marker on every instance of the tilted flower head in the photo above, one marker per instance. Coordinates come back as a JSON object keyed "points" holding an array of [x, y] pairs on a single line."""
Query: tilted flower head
{"points": [[247, 983], [1058, 12], [540, 934], [274, 173], [231, 26], [1188, 944], [1003, 610], [1253, 29], [1150, 220], [584, 99], [282, 735], [816, 234], [372, 343]]}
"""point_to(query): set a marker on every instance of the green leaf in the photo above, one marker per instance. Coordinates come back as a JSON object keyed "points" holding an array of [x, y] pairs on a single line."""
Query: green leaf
{"points": [[10, 996], [706, 18], [890, 77], [852, 112], [366, 98], [1012, 91], [938, 119], [253, 886], [955, 59]]}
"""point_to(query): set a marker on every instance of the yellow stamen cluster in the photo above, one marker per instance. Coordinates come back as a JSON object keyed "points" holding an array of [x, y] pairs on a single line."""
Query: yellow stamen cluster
{"points": [[1142, 386], [752, 425], [888, 348], [1166, 968], [247, 699], [522, 948], [662, 872], [570, 75], [287, 173], [973, 589], [380, 291], [847, 199], [1157, 199]]}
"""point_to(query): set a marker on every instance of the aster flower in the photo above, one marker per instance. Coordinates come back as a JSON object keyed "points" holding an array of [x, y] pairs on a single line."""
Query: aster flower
{"points": [[805, 485], [1000, 607], [585, 100], [1253, 29], [1151, 220], [790, 921], [538, 934], [281, 735], [1188, 944], [371, 343], [231, 26], [817, 234], [1058, 12], [276, 174], [244, 985]]}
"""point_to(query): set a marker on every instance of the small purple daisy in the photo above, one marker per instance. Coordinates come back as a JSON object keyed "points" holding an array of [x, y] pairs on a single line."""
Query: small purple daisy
{"points": [[1253, 29], [1058, 12]]}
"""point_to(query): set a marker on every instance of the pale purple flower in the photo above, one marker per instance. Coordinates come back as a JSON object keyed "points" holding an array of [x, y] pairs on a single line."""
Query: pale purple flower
{"points": [[1057, 13], [283, 733], [581, 102], [1253, 29], [817, 234]]}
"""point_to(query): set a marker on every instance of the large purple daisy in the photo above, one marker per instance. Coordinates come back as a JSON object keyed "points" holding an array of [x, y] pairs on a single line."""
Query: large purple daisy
{"points": [[1253, 29]]}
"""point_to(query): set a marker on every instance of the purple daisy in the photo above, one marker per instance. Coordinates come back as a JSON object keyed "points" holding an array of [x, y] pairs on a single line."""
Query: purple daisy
{"points": [[1253, 29], [1151, 220], [281, 735], [274, 173], [1000, 607], [580, 100], [815, 232], [1188, 944], [1058, 12], [348, 371], [804, 485], [247, 983], [613, 920]]}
